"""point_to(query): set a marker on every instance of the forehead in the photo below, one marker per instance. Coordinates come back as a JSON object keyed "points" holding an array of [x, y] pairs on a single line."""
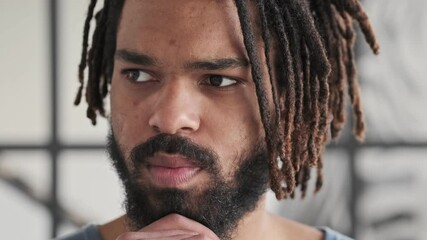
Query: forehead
{"points": [[184, 27]]}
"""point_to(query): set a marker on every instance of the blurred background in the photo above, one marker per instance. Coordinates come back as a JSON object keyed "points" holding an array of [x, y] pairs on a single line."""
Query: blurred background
{"points": [[55, 175]]}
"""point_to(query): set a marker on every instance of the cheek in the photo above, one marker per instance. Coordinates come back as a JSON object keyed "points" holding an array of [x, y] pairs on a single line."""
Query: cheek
{"points": [[126, 120], [233, 131]]}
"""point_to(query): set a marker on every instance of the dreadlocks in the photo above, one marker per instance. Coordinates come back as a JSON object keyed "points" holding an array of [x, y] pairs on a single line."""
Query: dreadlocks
{"points": [[315, 70]]}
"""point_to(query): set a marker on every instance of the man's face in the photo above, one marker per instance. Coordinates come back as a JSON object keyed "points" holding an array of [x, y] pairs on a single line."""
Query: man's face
{"points": [[181, 78]]}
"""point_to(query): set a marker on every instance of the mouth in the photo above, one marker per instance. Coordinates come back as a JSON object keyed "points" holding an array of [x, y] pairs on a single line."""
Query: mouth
{"points": [[171, 171]]}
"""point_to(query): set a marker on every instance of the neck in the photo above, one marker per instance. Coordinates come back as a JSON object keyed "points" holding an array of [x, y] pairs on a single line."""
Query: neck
{"points": [[254, 225]]}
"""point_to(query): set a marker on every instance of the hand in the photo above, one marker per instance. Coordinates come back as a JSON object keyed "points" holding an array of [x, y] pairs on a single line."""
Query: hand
{"points": [[172, 227]]}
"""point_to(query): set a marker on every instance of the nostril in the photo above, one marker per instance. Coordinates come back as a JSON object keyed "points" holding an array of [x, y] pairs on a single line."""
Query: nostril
{"points": [[187, 129], [156, 129]]}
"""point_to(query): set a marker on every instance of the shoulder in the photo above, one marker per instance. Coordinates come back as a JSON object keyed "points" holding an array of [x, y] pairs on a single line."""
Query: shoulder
{"points": [[294, 230], [89, 232]]}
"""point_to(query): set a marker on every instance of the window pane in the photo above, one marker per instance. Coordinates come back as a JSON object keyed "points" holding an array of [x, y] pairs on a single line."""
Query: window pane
{"points": [[24, 65], [89, 188], [394, 83], [32, 168], [19, 213], [23, 174], [392, 204]]}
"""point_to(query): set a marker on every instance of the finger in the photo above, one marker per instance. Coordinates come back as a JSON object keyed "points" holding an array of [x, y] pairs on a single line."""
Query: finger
{"points": [[176, 221], [175, 237], [158, 235], [197, 237], [168, 233]]}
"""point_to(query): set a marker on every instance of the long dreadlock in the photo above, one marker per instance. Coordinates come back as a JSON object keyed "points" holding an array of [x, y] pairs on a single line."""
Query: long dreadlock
{"points": [[315, 70]]}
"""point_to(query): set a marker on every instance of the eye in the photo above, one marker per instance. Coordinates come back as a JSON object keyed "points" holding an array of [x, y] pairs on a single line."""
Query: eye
{"points": [[135, 75], [220, 81]]}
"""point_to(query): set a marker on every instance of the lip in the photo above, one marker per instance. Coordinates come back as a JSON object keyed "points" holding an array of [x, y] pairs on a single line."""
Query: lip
{"points": [[171, 171]]}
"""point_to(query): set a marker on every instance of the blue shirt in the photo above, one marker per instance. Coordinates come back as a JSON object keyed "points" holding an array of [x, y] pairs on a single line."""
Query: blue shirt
{"points": [[90, 232]]}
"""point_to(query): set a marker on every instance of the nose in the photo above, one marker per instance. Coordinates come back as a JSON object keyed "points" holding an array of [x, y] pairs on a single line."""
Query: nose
{"points": [[175, 110]]}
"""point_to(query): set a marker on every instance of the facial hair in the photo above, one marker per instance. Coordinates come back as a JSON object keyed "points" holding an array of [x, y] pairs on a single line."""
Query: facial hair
{"points": [[219, 206]]}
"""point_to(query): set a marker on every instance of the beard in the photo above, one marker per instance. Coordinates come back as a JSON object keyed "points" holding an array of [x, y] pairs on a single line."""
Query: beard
{"points": [[219, 205]]}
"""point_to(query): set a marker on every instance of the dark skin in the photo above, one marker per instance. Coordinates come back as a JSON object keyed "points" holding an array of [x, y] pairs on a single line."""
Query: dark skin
{"points": [[170, 90]]}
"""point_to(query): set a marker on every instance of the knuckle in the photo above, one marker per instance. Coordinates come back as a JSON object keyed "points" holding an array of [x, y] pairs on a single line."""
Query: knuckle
{"points": [[202, 237], [125, 236], [176, 218]]}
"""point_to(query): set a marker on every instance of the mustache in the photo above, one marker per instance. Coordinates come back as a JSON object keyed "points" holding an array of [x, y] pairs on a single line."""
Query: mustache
{"points": [[200, 156]]}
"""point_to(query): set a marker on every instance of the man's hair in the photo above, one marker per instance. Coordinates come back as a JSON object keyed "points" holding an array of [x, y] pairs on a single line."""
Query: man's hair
{"points": [[315, 70]]}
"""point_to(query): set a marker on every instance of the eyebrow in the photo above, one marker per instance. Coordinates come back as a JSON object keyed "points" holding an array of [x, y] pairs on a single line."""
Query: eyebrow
{"points": [[210, 64], [218, 64], [136, 58]]}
